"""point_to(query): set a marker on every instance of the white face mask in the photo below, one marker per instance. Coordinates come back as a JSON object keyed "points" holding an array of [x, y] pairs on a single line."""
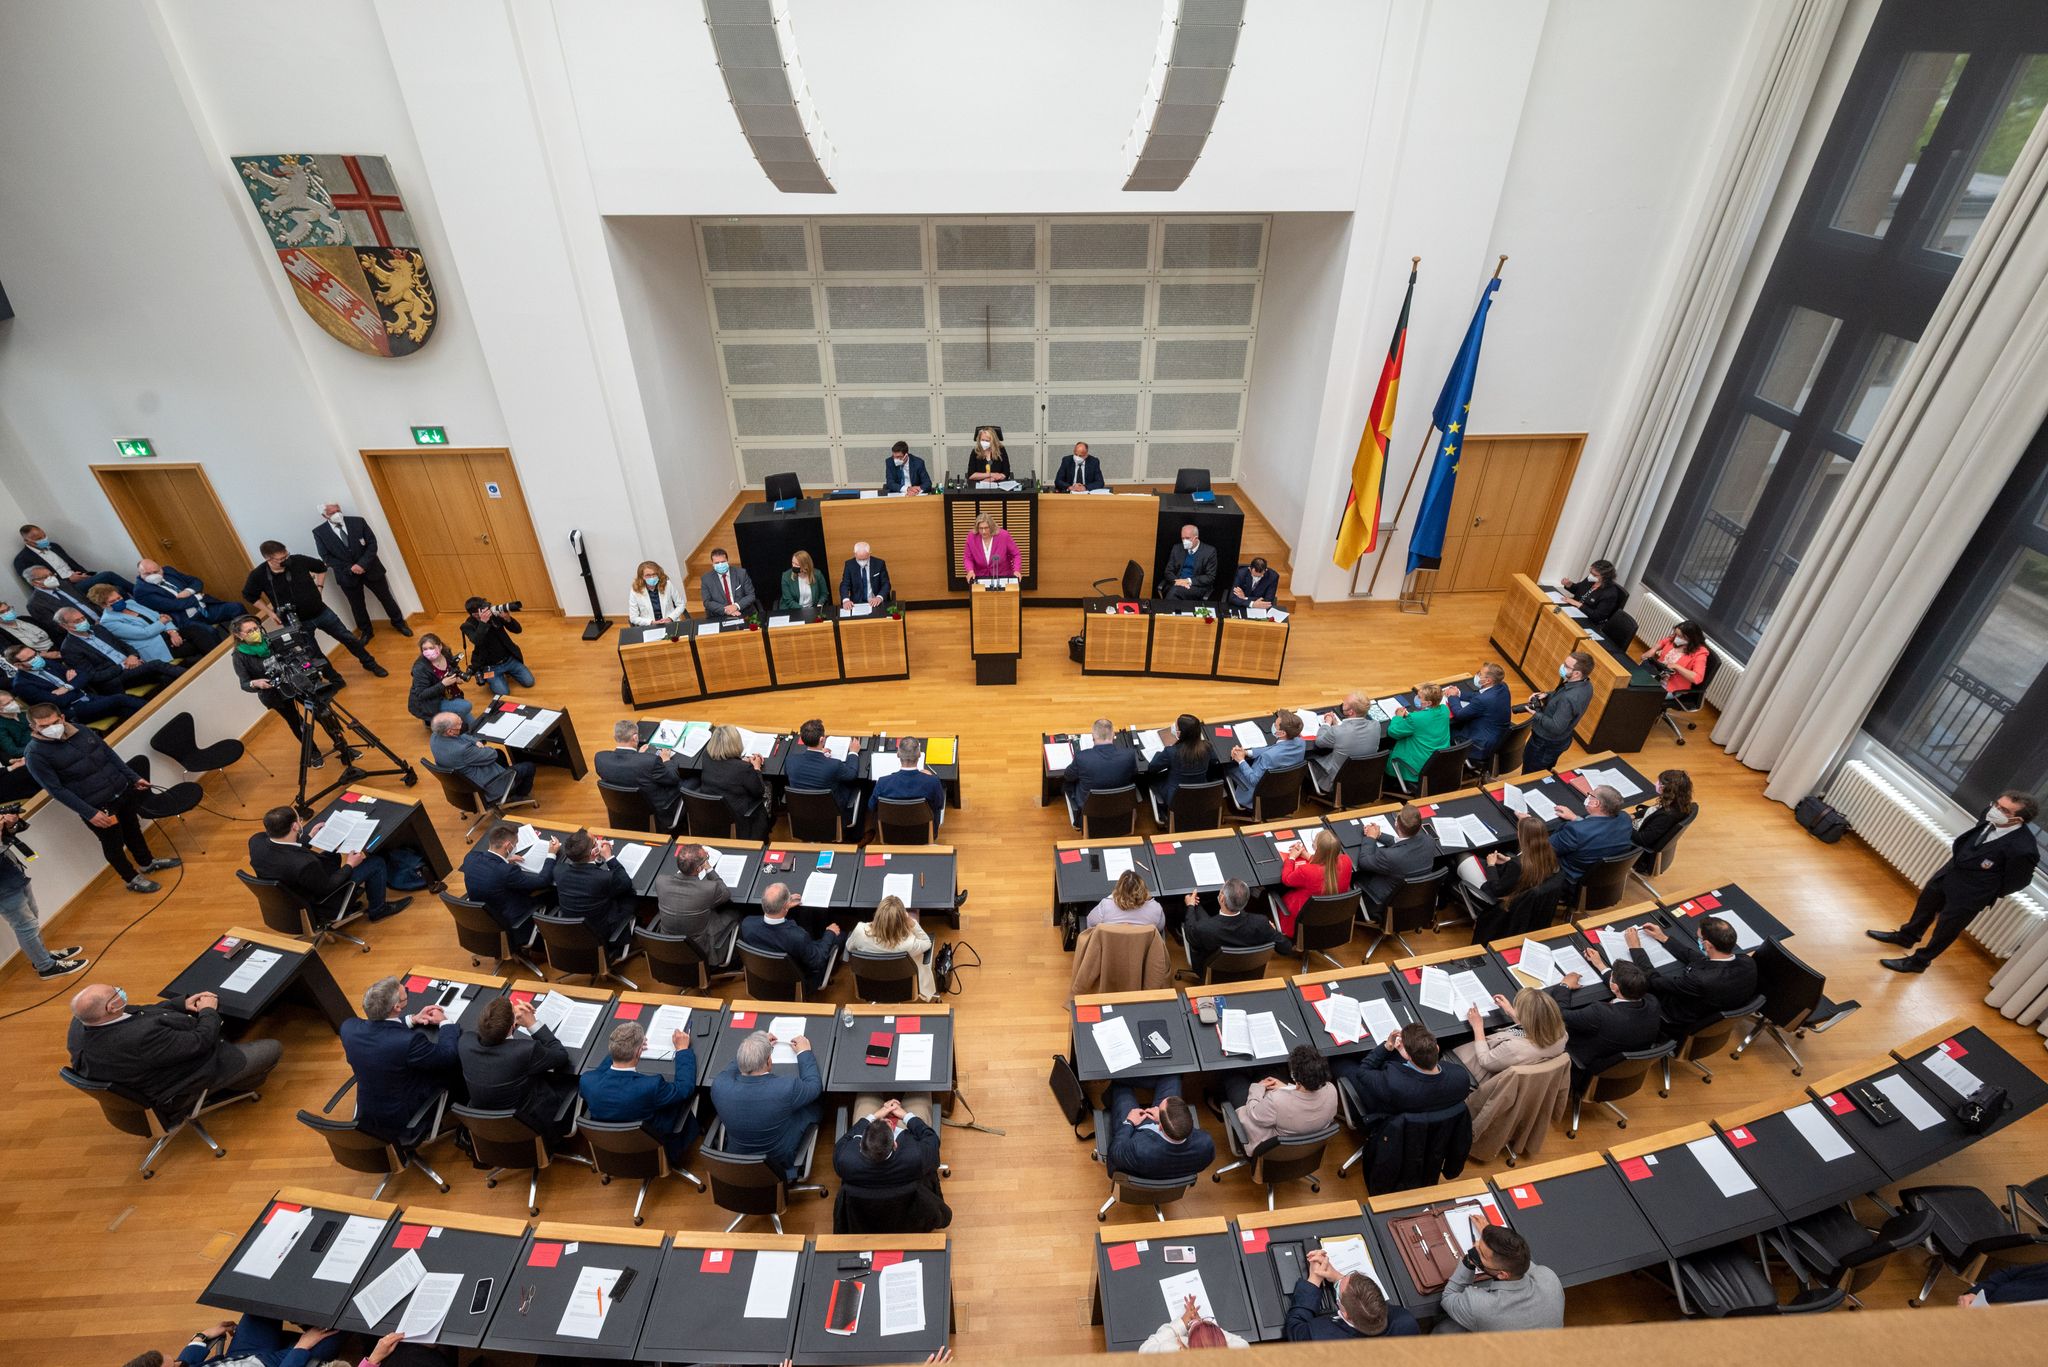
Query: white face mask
{"points": [[54, 731], [1997, 816], [156, 578]]}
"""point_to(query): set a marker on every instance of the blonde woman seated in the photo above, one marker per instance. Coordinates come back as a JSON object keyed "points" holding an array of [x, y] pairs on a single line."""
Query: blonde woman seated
{"points": [[1537, 1034], [803, 586], [895, 930], [655, 601], [1129, 903]]}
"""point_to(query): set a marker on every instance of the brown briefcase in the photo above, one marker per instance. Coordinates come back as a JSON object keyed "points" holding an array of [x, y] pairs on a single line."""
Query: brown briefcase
{"points": [[1423, 1240]]}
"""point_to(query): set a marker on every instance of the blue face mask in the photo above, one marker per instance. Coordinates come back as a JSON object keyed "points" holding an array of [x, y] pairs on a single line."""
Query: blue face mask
{"points": [[651, 580], [720, 567]]}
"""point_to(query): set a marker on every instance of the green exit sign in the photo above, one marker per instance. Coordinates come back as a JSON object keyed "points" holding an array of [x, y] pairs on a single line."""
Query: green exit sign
{"points": [[135, 448], [429, 436]]}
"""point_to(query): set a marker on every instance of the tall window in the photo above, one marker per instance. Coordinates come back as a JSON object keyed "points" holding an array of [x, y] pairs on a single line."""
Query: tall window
{"points": [[1967, 705], [1942, 99]]}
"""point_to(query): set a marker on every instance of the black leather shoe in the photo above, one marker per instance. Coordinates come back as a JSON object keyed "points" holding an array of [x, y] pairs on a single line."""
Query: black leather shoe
{"points": [[1891, 937], [1903, 965]]}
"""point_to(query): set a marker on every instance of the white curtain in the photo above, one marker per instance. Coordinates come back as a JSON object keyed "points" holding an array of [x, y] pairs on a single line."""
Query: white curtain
{"points": [[1625, 471], [1969, 402]]}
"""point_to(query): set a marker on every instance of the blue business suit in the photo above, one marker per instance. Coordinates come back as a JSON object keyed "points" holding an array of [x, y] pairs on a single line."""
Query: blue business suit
{"points": [[1591, 840], [896, 480], [768, 1113], [1482, 716], [398, 1069], [661, 1105]]}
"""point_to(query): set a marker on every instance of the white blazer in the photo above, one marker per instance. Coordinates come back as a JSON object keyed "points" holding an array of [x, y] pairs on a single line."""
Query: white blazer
{"points": [[641, 611]]}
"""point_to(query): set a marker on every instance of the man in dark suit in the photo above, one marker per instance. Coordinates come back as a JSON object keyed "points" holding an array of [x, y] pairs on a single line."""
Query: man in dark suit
{"points": [[510, 1064], [1255, 585], [629, 764], [1482, 714], [903, 473], [1599, 1029], [812, 768], [1207, 934], [773, 930], [1105, 764], [350, 549], [890, 1158], [39, 551], [103, 661], [495, 875], [1411, 1075], [1079, 473], [1362, 1312], [401, 1062], [179, 596], [163, 1054], [1394, 857], [321, 878], [1704, 984], [1585, 842], [1995, 857], [593, 887], [617, 1090], [765, 1112], [49, 595], [1162, 1142], [865, 579], [1190, 568], [727, 591]]}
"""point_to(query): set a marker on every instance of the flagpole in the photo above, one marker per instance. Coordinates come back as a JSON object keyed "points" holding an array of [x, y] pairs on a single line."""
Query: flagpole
{"points": [[1427, 437]]}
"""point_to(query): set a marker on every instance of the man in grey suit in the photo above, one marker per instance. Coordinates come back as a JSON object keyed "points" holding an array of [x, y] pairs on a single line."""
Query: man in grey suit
{"points": [[629, 764], [1393, 857], [1350, 734], [694, 902], [727, 591], [483, 765]]}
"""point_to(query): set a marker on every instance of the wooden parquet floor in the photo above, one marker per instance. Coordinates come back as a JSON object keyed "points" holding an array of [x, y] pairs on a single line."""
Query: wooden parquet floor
{"points": [[99, 1264]]}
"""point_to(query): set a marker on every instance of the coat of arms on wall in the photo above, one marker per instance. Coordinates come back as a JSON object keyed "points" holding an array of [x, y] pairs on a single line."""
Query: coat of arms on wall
{"points": [[347, 245]]}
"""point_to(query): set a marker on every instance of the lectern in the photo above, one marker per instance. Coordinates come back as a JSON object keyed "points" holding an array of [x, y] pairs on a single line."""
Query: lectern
{"points": [[995, 610]]}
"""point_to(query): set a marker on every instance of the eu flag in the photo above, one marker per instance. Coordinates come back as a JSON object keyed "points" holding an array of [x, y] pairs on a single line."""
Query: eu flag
{"points": [[1426, 546]]}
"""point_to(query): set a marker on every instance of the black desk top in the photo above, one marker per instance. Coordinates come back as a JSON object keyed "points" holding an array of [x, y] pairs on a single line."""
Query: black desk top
{"points": [[223, 959], [1455, 1029], [1582, 1224], [851, 1072], [1788, 1163], [821, 1029], [387, 814], [1379, 986], [816, 1344], [1271, 1289], [1402, 1288], [700, 1314], [1977, 1059], [551, 1267], [1079, 876], [1169, 1016], [292, 1291], [703, 1027], [933, 878], [1130, 1275], [1251, 998], [1727, 900], [478, 1255], [1682, 1200], [784, 864], [1903, 1147], [1173, 873]]}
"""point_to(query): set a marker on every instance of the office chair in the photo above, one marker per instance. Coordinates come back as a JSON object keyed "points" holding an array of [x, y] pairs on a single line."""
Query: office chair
{"points": [[483, 937], [621, 1148]]}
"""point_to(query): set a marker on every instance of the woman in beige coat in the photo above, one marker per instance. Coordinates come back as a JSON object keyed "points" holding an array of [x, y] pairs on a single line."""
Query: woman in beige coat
{"points": [[1539, 1035]]}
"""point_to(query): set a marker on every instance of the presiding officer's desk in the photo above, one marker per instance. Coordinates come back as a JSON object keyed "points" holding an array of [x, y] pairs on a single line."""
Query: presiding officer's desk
{"points": [[293, 966], [483, 1249], [1129, 1299], [1577, 1214]]}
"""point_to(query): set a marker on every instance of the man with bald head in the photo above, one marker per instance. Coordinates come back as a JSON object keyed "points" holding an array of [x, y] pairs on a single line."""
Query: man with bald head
{"points": [[163, 1055], [1190, 568]]}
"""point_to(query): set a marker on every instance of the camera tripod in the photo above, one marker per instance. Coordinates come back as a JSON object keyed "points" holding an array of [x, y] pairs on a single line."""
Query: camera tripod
{"points": [[337, 721]]}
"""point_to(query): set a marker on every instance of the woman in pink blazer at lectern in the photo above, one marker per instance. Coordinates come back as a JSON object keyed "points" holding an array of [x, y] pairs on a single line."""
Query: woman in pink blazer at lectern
{"points": [[991, 554]]}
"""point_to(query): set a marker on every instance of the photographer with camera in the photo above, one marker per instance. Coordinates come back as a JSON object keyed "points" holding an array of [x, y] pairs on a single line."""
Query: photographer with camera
{"points": [[437, 677], [493, 655], [82, 771], [18, 904], [291, 585]]}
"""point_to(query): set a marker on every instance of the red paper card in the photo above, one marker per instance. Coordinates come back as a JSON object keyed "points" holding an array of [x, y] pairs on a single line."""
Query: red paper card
{"points": [[1312, 992], [715, 1260], [743, 1020], [1635, 1169], [1839, 1103], [1254, 1240], [1413, 975], [1162, 847], [416, 983], [1121, 1256], [1741, 1136], [1087, 1015], [1070, 856], [1952, 1049], [909, 1025], [1524, 1197], [1708, 901], [882, 1260], [410, 1236], [281, 1208], [544, 1255], [877, 860], [628, 1011]]}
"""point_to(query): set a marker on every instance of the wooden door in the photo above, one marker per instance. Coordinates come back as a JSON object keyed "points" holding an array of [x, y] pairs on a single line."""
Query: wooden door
{"points": [[462, 528], [1510, 491], [175, 518]]}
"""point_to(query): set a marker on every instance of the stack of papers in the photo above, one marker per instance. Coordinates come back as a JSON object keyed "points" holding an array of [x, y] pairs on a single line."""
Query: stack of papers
{"points": [[570, 1019]]}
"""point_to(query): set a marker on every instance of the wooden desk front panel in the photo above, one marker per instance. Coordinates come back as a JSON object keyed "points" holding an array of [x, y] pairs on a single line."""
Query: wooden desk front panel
{"points": [[1183, 645], [1115, 643], [1251, 650], [660, 670], [734, 661], [804, 654], [908, 533], [1086, 537], [998, 621], [872, 647]]}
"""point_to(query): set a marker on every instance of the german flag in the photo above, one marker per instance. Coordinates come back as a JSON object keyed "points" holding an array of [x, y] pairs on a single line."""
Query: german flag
{"points": [[1359, 532]]}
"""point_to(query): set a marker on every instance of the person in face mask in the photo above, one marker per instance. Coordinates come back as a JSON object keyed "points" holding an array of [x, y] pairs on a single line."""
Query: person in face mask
{"points": [[37, 679], [437, 684], [903, 473], [988, 462], [655, 601], [1992, 859], [1190, 568], [1482, 712], [82, 771], [350, 549], [179, 596], [727, 591], [39, 551], [1558, 712]]}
